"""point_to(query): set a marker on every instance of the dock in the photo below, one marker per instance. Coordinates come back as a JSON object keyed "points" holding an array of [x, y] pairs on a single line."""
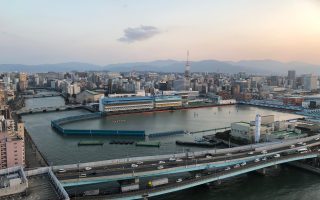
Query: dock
{"points": [[86, 143], [148, 144], [198, 144]]}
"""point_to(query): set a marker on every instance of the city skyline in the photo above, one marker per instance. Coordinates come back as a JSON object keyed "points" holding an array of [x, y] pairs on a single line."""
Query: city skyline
{"points": [[106, 32]]}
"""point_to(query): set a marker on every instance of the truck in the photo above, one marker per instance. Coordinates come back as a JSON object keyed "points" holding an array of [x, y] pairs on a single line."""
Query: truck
{"points": [[91, 192], [128, 188], [158, 182]]}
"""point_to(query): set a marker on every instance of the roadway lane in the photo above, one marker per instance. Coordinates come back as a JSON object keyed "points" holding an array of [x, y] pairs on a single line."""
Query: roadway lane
{"points": [[187, 162]]}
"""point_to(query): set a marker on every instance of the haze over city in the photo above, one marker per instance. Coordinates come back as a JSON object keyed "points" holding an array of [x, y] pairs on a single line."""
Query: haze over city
{"points": [[166, 99], [106, 32]]}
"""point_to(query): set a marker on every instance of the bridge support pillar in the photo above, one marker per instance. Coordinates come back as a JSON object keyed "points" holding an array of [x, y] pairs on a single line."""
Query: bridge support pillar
{"points": [[262, 171]]}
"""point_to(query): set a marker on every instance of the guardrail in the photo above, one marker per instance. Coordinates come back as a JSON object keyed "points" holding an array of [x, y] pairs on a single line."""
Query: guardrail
{"points": [[56, 124], [207, 179]]}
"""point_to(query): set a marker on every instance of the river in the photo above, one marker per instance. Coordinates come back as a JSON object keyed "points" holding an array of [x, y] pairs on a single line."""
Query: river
{"points": [[286, 184]]}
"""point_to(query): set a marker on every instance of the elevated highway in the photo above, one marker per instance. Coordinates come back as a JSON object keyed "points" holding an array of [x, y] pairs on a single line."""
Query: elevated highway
{"points": [[143, 167], [207, 178]]}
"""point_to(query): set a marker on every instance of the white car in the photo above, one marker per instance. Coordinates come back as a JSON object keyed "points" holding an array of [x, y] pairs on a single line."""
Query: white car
{"points": [[198, 176], [62, 171], [264, 158], [227, 169], [317, 139], [172, 159], [277, 155], [160, 167], [208, 156], [134, 165], [161, 162], [228, 154], [250, 153], [257, 160], [88, 168], [179, 180], [292, 146], [179, 160], [236, 166], [264, 152], [300, 143], [82, 175], [139, 163], [243, 164]]}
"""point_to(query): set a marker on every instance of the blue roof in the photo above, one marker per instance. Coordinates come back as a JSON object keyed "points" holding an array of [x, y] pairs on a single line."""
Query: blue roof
{"points": [[168, 98]]}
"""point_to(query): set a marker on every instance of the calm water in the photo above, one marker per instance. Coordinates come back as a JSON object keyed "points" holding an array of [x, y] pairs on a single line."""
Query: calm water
{"points": [[60, 149], [287, 184]]}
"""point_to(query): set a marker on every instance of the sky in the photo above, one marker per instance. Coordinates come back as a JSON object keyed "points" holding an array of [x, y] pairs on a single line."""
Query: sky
{"points": [[117, 31]]}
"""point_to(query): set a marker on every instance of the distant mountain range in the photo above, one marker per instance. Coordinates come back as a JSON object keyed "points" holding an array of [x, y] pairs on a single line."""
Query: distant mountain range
{"points": [[264, 67]]}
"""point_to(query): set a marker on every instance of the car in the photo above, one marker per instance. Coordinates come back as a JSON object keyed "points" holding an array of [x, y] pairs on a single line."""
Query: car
{"points": [[251, 153], [300, 143], [161, 162], [264, 152], [190, 157], [179, 180], [88, 168], [318, 149], [227, 169], [134, 165], [228, 154], [236, 166], [208, 156], [243, 164], [316, 139], [62, 170], [160, 167], [264, 158], [277, 155], [179, 160], [257, 160], [304, 144], [82, 175], [292, 146], [172, 159], [198, 176], [139, 163]]}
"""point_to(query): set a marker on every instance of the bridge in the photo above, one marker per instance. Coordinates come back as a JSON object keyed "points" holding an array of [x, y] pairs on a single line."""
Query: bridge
{"points": [[202, 167], [269, 105], [55, 94], [24, 111]]}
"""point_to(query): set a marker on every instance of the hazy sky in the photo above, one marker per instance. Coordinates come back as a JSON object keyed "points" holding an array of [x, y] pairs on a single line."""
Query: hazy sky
{"points": [[113, 31]]}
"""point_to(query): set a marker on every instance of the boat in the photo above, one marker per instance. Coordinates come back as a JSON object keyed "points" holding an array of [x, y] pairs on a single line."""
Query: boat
{"points": [[148, 144], [91, 142]]}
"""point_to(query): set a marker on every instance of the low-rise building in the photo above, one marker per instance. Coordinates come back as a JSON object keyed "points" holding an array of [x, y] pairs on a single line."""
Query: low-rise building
{"points": [[167, 101], [107, 104], [88, 96]]}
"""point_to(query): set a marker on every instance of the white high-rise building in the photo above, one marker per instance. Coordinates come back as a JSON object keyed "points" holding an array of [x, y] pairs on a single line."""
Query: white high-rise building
{"points": [[310, 82]]}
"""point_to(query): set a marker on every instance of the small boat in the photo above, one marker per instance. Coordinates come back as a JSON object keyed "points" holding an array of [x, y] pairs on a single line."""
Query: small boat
{"points": [[83, 143]]}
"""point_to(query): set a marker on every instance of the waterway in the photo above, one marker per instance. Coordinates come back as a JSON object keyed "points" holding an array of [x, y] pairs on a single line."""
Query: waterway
{"points": [[59, 149], [286, 184]]}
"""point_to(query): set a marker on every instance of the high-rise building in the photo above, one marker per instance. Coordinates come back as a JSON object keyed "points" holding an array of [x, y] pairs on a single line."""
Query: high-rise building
{"points": [[187, 75], [292, 79], [12, 151], [310, 82], [23, 82]]}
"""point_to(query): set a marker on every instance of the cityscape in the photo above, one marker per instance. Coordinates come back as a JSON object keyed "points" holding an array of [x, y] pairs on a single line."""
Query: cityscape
{"points": [[139, 100]]}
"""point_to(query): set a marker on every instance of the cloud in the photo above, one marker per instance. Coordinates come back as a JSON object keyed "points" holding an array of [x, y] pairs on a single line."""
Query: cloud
{"points": [[139, 33]]}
